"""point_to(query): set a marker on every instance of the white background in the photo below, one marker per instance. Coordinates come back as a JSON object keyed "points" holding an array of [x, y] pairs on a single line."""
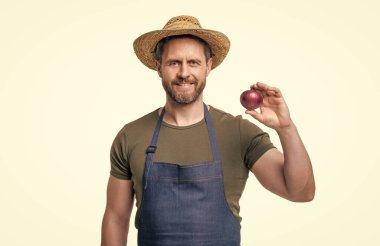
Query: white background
{"points": [[69, 80]]}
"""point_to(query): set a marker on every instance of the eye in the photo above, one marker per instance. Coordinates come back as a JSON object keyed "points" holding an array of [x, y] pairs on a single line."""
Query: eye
{"points": [[173, 63], [194, 62]]}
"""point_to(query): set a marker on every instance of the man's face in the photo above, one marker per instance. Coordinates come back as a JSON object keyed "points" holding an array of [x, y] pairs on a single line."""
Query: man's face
{"points": [[183, 70]]}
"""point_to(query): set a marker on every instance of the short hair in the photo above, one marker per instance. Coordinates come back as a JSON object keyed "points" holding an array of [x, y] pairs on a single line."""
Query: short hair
{"points": [[159, 50]]}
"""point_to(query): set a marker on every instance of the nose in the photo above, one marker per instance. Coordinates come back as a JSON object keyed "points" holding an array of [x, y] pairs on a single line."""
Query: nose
{"points": [[184, 71]]}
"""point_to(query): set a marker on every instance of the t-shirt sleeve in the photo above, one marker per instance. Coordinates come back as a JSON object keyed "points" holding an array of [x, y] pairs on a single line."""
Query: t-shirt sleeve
{"points": [[120, 167], [254, 142]]}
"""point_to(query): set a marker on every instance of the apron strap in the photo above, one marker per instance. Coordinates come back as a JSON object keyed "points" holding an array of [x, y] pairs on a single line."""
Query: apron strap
{"points": [[153, 144], [211, 134], [152, 147]]}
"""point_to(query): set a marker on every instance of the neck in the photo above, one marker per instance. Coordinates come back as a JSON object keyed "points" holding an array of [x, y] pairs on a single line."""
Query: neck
{"points": [[183, 115]]}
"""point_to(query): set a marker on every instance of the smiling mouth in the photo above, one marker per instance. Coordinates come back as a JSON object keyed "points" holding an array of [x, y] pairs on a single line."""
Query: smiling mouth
{"points": [[184, 84]]}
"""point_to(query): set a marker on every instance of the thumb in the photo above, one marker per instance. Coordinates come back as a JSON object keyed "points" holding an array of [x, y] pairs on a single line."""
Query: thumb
{"points": [[254, 114]]}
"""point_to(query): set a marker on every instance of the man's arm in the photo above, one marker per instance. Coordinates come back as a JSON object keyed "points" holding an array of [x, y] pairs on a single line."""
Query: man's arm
{"points": [[290, 174], [115, 224]]}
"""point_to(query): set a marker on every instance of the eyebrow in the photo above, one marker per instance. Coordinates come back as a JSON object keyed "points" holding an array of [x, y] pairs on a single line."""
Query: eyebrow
{"points": [[173, 60], [180, 61], [195, 60]]}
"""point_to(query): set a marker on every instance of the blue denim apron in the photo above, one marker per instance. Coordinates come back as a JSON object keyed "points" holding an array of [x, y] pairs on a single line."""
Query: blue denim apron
{"points": [[185, 205]]}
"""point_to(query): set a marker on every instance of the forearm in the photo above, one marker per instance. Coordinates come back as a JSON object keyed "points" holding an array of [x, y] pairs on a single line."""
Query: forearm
{"points": [[298, 171], [114, 230]]}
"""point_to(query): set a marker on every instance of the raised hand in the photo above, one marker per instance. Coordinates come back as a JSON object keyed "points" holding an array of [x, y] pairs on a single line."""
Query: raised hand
{"points": [[273, 112]]}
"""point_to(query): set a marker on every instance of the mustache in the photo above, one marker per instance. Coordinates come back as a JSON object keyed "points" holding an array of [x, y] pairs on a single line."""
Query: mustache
{"points": [[179, 81]]}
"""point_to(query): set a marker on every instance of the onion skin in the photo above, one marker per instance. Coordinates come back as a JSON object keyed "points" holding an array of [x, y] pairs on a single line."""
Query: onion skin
{"points": [[251, 99]]}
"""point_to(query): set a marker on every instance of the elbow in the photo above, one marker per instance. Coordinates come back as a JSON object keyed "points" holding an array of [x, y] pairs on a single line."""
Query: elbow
{"points": [[302, 199], [305, 196], [311, 196]]}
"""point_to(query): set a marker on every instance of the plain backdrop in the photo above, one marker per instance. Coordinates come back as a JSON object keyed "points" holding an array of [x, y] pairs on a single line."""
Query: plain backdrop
{"points": [[69, 80]]}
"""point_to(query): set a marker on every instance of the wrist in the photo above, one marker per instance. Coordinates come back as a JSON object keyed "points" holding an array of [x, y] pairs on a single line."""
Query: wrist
{"points": [[289, 128]]}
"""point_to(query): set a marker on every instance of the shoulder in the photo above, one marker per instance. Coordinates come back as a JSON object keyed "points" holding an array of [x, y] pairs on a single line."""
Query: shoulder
{"points": [[229, 121], [141, 124], [135, 130], [223, 116], [226, 125]]}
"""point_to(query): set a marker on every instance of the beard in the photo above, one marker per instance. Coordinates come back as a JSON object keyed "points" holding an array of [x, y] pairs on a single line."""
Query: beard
{"points": [[184, 97]]}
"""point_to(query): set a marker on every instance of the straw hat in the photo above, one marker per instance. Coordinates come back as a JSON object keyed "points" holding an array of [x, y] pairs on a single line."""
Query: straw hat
{"points": [[145, 45]]}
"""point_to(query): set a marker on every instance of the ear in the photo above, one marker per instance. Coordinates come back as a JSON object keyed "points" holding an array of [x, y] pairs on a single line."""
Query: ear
{"points": [[158, 68], [208, 66]]}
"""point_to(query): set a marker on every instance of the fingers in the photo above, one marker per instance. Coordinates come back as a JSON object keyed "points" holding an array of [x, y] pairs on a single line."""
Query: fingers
{"points": [[266, 89], [254, 114]]}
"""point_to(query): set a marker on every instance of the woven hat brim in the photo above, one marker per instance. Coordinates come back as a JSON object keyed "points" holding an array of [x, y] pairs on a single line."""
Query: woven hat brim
{"points": [[145, 45]]}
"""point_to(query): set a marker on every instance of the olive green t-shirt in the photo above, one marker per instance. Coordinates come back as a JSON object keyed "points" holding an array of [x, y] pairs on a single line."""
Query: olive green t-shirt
{"points": [[240, 144]]}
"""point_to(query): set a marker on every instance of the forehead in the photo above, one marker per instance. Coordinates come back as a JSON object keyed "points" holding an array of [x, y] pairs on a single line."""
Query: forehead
{"points": [[183, 46]]}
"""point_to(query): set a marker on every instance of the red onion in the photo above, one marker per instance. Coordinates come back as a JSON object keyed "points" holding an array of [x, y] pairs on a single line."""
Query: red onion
{"points": [[251, 99]]}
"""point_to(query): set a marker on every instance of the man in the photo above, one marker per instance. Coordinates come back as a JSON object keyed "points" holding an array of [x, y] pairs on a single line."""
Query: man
{"points": [[187, 162]]}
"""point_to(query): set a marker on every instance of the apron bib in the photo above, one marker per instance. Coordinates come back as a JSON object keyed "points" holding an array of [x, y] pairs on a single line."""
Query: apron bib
{"points": [[185, 205]]}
